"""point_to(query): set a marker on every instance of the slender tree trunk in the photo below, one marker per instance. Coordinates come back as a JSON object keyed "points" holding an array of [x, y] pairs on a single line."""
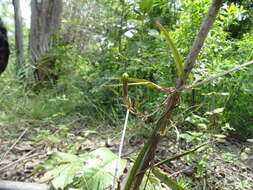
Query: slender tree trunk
{"points": [[45, 21], [18, 35], [174, 98]]}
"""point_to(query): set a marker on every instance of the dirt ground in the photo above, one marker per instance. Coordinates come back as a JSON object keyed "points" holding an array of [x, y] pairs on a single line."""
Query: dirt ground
{"points": [[221, 167]]}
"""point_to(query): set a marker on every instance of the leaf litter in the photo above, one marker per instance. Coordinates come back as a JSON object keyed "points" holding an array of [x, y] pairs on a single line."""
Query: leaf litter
{"points": [[220, 167]]}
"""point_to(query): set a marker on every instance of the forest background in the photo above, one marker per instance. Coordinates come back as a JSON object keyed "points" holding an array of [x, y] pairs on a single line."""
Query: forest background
{"points": [[97, 41]]}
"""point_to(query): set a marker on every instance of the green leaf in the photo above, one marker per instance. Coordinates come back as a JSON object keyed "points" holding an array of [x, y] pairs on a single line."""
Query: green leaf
{"points": [[99, 170], [64, 175], [59, 158], [35, 170], [179, 156], [87, 133], [137, 82], [215, 111], [153, 33], [65, 168], [220, 136], [137, 164], [166, 180], [94, 170], [151, 182], [145, 82], [176, 55], [146, 5]]}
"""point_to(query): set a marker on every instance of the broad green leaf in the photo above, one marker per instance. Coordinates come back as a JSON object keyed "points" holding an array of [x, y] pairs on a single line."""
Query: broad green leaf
{"points": [[95, 170], [146, 5], [64, 175], [176, 55], [166, 180], [65, 168], [99, 170], [58, 158]]}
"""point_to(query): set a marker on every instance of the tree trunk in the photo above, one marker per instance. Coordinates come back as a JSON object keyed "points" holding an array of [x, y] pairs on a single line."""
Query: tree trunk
{"points": [[173, 99], [45, 20], [18, 35]]}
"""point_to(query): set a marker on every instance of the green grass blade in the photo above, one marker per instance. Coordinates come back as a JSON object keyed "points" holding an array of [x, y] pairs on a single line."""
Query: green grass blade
{"points": [[137, 82], [179, 156], [166, 180], [176, 55], [147, 83], [137, 165], [146, 5]]}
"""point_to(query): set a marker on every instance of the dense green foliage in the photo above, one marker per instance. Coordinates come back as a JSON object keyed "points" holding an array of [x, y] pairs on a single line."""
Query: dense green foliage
{"points": [[99, 41], [138, 48], [122, 38]]}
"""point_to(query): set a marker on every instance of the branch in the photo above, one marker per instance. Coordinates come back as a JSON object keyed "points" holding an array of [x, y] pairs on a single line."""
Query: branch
{"points": [[14, 144], [213, 77], [203, 32]]}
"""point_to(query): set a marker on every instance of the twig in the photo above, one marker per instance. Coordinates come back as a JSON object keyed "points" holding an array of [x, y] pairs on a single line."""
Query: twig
{"points": [[19, 160], [211, 78], [131, 152], [180, 171], [14, 144]]}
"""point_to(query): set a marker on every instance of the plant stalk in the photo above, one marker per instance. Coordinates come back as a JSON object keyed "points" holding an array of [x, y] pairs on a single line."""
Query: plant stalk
{"points": [[147, 154]]}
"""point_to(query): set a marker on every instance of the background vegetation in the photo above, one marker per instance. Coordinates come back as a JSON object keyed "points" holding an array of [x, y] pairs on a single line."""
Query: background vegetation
{"points": [[99, 40]]}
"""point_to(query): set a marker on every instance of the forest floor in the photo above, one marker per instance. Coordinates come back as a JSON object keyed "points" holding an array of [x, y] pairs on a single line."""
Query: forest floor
{"points": [[220, 167]]}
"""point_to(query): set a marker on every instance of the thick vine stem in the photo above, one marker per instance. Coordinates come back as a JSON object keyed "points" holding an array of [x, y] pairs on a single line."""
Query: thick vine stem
{"points": [[148, 154]]}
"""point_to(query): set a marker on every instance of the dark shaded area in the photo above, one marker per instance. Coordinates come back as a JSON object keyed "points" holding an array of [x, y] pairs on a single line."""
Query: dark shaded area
{"points": [[45, 70], [4, 48], [46, 73]]}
